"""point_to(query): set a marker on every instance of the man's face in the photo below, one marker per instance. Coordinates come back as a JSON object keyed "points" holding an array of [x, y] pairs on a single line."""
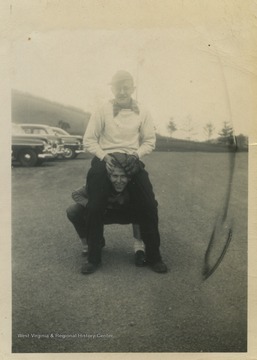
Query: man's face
{"points": [[122, 91], [119, 179]]}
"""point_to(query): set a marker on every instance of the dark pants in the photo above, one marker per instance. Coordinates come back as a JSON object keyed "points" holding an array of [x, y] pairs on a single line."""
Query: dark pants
{"points": [[143, 203], [77, 214]]}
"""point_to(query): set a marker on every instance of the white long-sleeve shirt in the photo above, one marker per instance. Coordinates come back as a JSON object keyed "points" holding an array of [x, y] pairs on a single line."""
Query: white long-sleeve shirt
{"points": [[127, 132]]}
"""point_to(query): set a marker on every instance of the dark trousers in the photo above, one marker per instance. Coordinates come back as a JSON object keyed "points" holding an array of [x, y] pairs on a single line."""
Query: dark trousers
{"points": [[77, 214], [143, 203]]}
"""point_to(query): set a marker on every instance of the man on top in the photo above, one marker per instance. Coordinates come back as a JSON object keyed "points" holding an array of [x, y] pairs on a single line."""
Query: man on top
{"points": [[121, 125]]}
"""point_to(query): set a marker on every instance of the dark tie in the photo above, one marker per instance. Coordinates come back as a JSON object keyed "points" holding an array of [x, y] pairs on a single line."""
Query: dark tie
{"points": [[132, 106]]}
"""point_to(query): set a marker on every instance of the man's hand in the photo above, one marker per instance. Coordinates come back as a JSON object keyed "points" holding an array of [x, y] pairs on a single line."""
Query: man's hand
{"points": [[110, 162], [133, 165]]}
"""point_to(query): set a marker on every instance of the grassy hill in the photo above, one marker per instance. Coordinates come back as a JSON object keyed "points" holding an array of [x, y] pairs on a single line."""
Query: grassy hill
{"points": [[27, 108]]}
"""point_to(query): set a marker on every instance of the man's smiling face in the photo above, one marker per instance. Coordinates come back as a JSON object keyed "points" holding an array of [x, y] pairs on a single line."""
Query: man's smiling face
{"points": [[118, 179], [122, 91]]}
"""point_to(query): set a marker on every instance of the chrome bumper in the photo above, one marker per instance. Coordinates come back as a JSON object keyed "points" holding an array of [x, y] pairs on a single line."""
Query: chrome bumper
{"points": [[45, 156]]}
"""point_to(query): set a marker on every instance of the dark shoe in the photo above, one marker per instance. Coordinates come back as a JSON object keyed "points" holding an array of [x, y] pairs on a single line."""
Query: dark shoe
{"points": [[89, 268], [140, 258], [159, 267]]}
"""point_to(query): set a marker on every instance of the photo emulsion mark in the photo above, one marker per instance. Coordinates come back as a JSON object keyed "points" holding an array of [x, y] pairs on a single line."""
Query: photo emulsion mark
{"points": [[129, 195]]}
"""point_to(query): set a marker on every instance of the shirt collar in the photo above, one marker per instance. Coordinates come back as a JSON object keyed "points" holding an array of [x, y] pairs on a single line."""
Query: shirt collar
{"points": [[132, 106]]}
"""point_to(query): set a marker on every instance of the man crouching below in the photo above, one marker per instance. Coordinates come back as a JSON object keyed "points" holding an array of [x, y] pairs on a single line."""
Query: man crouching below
{"points": [[119, 211]]}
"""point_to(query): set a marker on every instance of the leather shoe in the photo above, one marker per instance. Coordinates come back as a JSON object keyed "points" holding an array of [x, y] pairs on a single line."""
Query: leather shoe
{"points": [[89, 268], [140, 258], [159, 267]]}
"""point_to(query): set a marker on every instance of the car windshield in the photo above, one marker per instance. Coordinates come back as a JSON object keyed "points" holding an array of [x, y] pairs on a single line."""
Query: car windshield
{"points": [[38, 130]]}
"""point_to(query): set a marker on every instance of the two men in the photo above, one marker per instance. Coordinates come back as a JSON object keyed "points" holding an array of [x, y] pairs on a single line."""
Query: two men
{"points": [[121, 125], [119, 210]]}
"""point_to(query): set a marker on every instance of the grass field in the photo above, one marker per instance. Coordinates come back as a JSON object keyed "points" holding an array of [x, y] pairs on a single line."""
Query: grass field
{"points": [[137, 310]]}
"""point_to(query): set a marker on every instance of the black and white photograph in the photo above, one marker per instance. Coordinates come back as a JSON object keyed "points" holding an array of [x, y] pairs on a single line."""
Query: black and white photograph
{"points": [[129, 178]]}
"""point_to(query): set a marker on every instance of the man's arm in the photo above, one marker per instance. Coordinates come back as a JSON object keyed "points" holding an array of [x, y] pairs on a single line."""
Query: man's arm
{"points": [[80, 196], [91, 139], [92, 135], [147, 136]]}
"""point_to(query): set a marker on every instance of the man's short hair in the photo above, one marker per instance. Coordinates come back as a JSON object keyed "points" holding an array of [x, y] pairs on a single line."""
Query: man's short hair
{"points": [[121, 75], [120, 159]]}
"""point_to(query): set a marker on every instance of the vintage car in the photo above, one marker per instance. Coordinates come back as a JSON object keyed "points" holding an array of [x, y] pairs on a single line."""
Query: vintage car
{"points": [[73, 144], [29, 150], [46, 131]]}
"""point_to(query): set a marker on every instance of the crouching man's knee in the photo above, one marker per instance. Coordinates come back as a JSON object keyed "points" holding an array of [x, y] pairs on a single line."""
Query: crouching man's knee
{"points": [[75, 212]]}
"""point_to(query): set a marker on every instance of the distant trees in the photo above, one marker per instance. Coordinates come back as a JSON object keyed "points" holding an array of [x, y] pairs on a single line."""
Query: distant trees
{"points": [[171, 127], [227, 130], [209, 130], [227, 137], [189, 128], [226, 134]]}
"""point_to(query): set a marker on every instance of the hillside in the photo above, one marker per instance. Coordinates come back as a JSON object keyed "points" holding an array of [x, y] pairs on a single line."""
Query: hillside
{"points": [[27, 108]]}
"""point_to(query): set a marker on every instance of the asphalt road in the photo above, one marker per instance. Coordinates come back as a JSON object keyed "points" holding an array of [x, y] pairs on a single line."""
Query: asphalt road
{"points": [[122, 308]]}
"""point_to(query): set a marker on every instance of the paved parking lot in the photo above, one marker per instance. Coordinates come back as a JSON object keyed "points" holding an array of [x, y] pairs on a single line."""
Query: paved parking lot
{"points": [[122, 308]]}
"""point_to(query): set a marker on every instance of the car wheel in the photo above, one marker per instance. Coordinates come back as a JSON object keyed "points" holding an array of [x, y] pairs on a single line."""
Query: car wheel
{"points": [[40, 162], [28, 157], [69, 153]]}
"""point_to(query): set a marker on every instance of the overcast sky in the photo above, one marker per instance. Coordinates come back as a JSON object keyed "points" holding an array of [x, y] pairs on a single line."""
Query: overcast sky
{"points": [[189, 74]]}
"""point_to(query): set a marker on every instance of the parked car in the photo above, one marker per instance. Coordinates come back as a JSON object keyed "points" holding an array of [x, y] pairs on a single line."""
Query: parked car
{"points": [[29, 150], [73, 144], [45, 130]]}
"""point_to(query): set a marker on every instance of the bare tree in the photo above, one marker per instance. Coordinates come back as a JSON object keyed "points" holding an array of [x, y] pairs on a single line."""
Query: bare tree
{"points": [[188, 127], [208, 130], [171, 127]]}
